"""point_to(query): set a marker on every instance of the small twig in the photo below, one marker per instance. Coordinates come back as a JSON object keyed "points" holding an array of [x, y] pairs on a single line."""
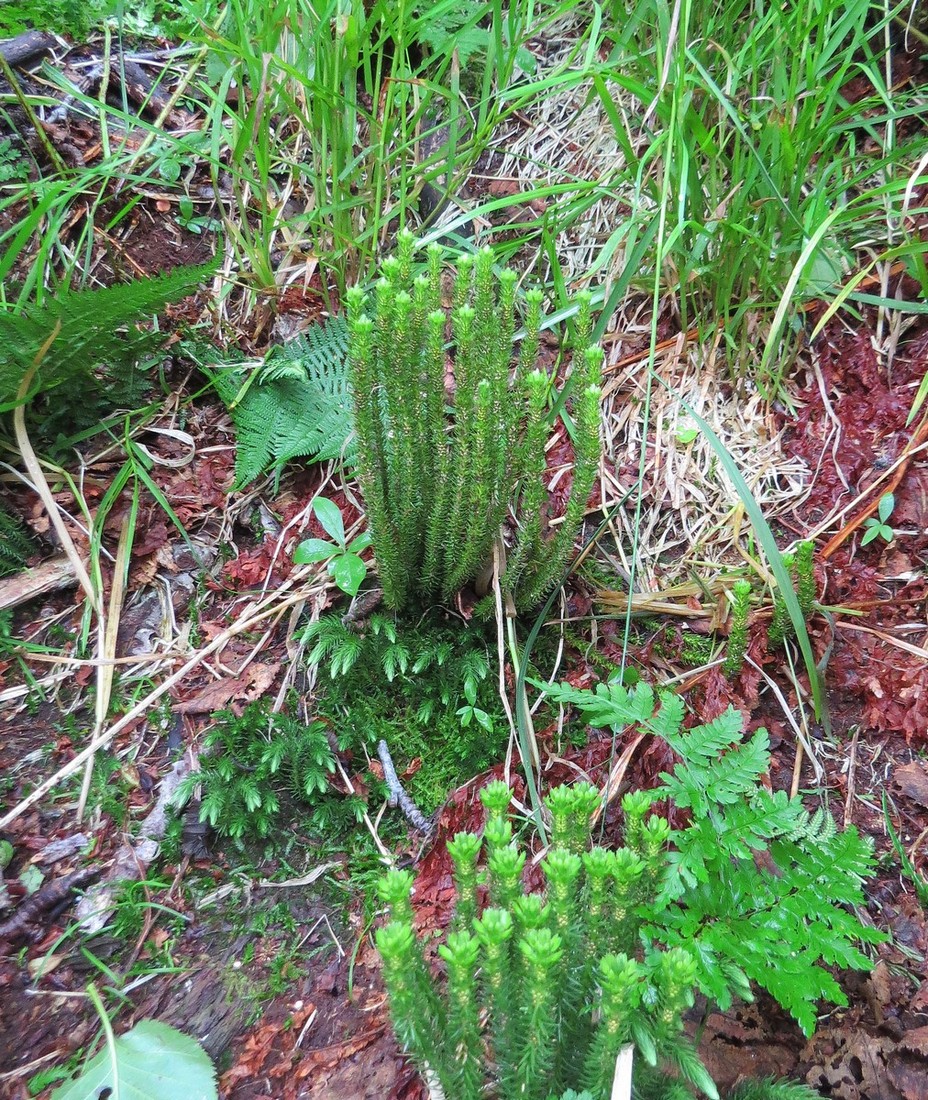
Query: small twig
{"points": [[788, 715], [105, 671], [797, 770], [616, 777], [350, 789], [398, 797], [254, 614], [851, 780], [21, 1071], [38, 477]]}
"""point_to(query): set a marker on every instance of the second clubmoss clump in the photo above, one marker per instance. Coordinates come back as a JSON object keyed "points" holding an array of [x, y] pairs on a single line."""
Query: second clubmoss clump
{"points": [[446, 448]]}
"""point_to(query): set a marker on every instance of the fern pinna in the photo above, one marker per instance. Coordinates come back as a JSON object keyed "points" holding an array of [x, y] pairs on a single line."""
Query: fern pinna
{"points": [[779, 927], [442, 462]]}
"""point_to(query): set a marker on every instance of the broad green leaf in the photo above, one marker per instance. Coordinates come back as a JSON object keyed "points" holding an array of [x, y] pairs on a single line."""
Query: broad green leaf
{"points": [[331, 518], [886, 505], [349, 573], [361, 542], [153, 1062], [313, 550], [484, 719]]}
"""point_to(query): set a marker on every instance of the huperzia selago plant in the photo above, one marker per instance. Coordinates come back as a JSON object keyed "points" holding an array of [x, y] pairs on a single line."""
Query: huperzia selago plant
{"points": [[543, 991], [800, 564], [445, 453]]}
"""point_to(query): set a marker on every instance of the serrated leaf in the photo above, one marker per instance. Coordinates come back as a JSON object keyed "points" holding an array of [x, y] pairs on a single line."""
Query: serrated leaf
{"points": [[328, 514], [153, 1061]]}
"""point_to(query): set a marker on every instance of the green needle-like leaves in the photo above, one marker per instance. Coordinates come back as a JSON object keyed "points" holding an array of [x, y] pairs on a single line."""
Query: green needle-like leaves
{"points": [[448, 446]]}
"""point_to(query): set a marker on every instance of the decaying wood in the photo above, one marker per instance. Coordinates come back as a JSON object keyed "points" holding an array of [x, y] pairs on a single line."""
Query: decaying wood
{"points": [[26, 586], [133, 858], [49, 896], [25, 47], [205, 1004], [398, 796]]}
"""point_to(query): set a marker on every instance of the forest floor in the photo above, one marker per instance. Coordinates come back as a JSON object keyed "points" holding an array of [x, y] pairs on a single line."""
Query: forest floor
{"points": [[268, 960]]}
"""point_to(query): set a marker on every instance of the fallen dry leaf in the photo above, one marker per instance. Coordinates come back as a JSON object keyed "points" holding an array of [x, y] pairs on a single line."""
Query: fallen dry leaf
{"points": [[912, 781], [250, 685]]}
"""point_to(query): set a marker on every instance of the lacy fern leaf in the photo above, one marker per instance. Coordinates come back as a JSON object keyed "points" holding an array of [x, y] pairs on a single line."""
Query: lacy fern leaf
{"points": [[16, 547], [702, 745], [720, 779], [295, 404]]}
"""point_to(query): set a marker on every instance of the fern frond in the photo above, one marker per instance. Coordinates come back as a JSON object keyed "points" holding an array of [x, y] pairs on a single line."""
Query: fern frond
{"points": [[16, 547], [616, 706], [87, 328], [296, 404], [723, 780], [278, 368], [704, 743], [818, 828]]}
